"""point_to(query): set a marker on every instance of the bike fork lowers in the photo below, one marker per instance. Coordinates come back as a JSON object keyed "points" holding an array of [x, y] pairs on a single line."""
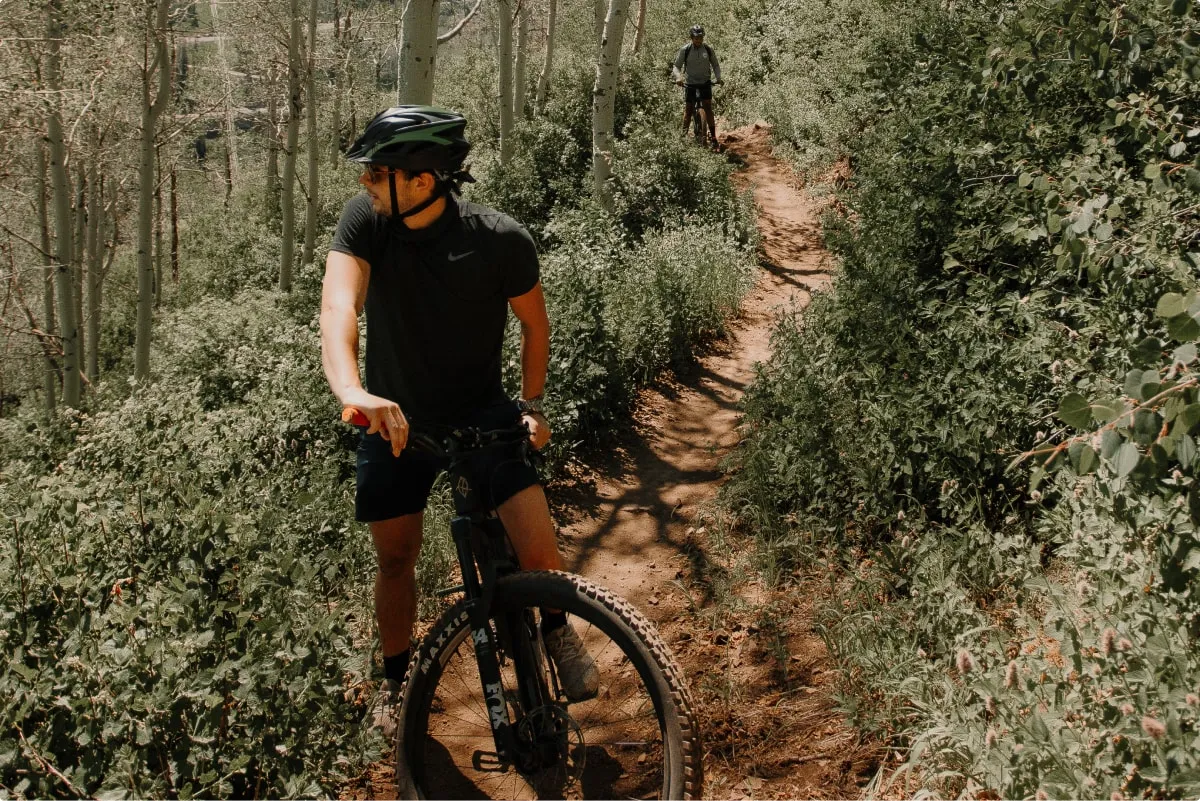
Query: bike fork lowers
{"points": [[484, 641]]}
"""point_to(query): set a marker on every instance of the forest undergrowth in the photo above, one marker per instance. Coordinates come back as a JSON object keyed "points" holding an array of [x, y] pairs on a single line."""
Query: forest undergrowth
{"points": [[985, 433]]}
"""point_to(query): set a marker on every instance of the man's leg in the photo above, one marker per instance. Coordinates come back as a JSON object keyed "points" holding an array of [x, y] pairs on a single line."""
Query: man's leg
{"points": [[710, 119], [397, 545], [526, 518]]}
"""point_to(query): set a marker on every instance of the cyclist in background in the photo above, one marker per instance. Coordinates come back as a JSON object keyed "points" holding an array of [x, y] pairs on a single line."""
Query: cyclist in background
{"points": [[437, 276], [695, 66]]}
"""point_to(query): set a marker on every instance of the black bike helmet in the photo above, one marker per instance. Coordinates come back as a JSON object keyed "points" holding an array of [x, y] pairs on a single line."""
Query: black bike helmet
{"points": [[416, 139], [697, 30]]}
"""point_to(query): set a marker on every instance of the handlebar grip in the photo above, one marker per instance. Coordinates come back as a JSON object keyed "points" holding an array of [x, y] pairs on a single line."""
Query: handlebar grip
{"points": [[354, 417]]}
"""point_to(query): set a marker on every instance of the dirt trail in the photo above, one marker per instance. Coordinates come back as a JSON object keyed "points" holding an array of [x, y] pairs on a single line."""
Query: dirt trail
{"points": [[639, 523]]}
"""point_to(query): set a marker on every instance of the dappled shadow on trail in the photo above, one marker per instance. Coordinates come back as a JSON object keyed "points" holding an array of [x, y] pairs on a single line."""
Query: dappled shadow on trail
{"points": [[637, 515]]}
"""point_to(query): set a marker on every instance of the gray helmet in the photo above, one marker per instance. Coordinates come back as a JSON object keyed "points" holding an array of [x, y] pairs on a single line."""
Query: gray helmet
{"points": [[696, 30], [415, 139]]}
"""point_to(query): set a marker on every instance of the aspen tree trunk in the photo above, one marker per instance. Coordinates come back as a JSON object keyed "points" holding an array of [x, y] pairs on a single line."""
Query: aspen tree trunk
{"points": [[159, 67], [50, 376], [174, 225], [158, 228], [519, 68], [418, 52], [95, 259], [82, 190], [543, 87], [504, 56], [640, 33], [604, 100], [60, 184], [314, 143], [600, 9], [272, 182], [335, 122], [233, 169], [288, 182]]}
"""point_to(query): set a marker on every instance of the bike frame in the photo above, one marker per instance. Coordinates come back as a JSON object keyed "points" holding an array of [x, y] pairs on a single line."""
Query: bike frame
{"points": [[481, 544]]}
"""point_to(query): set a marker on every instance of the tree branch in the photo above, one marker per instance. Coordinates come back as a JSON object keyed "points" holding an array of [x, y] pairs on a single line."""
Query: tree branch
{"points": [[450, 34]]}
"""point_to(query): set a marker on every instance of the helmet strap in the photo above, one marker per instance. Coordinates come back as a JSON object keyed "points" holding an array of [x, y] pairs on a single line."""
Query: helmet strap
{"points": [[439, 190]]}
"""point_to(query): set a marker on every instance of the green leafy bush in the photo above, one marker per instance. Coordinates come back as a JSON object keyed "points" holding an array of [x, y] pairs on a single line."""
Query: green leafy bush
{"points": [[1024, 192]]}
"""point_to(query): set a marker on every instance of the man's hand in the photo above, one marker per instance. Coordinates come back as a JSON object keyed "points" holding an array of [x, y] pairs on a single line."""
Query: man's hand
{"points": [[539, 429], [384, 417]]}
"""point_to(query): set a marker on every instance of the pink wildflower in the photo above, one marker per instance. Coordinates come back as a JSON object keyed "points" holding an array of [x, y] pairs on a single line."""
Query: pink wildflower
{"points": [[1154, 727]]}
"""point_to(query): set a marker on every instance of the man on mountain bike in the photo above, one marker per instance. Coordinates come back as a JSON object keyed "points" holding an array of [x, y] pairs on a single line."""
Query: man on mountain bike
{"points": [[436, 276], [695, 66]]}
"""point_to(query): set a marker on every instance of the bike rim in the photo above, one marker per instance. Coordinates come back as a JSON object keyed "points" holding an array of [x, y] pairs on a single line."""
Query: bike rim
{"points": [[625, 750]]}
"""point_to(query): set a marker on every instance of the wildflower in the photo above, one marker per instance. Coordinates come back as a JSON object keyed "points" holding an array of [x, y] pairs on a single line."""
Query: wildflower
{"points": [[1010, 675], [1107, 639], [1035, 496], [1116, 796], [990, 705], [989, 739], [1083, 588], [1176, 474], [1018, 748], [1126, 709], [1154, 727], [900, 515], [1192, 699], [964, 661], [1124, 644], [921, 653], [1041, 795]]}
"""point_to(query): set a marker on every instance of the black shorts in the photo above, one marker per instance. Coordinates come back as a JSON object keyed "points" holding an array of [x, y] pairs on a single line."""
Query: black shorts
{"points": [[393, 486], [694, 92]]}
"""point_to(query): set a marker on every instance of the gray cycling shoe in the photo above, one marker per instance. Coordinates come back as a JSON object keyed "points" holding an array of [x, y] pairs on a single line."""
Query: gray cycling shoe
{"points": [[385, 709], [576, 669], [385, 715]]}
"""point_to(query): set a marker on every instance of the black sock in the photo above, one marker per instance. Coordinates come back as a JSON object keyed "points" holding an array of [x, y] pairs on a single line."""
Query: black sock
{"points": [[552, 621], [395, 667]]}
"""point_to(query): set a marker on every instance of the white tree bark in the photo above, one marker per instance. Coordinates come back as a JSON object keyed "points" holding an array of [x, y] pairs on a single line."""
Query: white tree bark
{"points": [[608, 69], [287, 195], [543, 87], [156, 67], [272, 182], [50, 376], [335, 122], [227, 83], [61, 193], [640, 33], [314, 141], [418, 52], [95, 259], [520, 71], [505, 68]]}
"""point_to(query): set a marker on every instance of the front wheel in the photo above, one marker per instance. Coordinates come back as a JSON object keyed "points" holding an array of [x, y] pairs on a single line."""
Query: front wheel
{"points": [[636, 739]]}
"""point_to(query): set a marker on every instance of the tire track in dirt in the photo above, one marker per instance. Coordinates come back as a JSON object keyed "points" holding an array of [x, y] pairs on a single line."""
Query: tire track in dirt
{"points": [[637, 518]]}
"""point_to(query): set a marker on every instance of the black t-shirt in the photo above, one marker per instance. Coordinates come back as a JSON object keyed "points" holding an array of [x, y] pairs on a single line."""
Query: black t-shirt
{"points": [[437, 303]]}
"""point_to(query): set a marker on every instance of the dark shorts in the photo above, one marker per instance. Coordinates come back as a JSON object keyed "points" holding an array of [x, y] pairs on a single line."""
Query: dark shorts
{"points": [[393, 486], [700, 91]]}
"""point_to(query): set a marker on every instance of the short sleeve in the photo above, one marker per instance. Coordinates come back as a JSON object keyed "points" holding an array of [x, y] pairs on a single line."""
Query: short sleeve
{"points": [[355, 232], [521, 273]]}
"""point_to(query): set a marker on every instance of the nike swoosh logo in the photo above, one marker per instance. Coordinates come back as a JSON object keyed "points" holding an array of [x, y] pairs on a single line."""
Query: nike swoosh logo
{"points": [[456, 257]]}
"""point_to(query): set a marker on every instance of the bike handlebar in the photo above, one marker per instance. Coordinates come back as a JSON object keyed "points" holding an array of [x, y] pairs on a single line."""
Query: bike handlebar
{"points": [[448, 440]]}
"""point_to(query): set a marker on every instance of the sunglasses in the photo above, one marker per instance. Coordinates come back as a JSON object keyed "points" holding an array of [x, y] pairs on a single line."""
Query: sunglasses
{"points": [[374, 172]]}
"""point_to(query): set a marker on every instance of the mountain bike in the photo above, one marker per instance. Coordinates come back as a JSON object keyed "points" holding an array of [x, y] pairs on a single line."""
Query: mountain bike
{"points": [[699, 122], [483, 714]]}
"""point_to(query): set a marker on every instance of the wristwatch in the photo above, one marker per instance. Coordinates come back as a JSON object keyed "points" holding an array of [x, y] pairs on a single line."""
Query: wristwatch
{"points": [[531, 406]]}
